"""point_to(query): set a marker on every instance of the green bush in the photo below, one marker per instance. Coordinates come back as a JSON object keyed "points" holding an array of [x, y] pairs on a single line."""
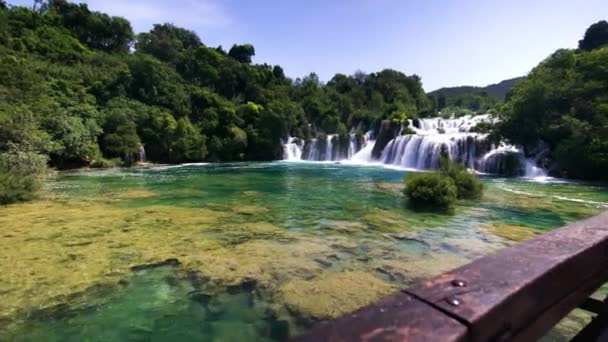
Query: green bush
{"points": [[20, 173], [467, 184], [430, 189], [16, 188], [103, 163], [442, 189]]}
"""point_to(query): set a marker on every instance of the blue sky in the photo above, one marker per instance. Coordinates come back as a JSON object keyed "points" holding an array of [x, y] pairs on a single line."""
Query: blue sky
{"points": [[446, 42]]}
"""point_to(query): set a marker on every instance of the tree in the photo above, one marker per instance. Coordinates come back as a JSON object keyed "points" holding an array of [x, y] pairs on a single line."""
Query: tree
{"points": [[595, 37], [19, 126], [278, 72], [156, 83], [119, 137], [562, 104], [188, 144], [20, 172], [242, 53], [96, 30], [166, 42]]}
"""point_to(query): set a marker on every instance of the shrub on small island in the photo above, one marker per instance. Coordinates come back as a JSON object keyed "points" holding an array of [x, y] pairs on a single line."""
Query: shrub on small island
{"points": [[430, 190], [442, 189], [467, 183]]}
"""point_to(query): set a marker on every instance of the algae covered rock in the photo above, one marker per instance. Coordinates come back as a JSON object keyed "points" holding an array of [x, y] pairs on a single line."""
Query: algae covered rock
{"points": [[250, 210], [333, 294], [514, 233], [385, 220], [388, 131]]}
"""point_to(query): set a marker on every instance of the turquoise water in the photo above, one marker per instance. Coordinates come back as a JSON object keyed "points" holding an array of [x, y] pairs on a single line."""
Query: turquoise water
{"points": [[257, 245], [157, 305]]}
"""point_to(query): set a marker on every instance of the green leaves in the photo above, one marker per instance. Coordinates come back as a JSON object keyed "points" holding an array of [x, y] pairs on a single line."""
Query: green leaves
{"points": [[442, 189], [167, 42], [468, 185], [242, 53], [563, 104], [20, 170], [596, 36], [430, 189], [96, 30]]}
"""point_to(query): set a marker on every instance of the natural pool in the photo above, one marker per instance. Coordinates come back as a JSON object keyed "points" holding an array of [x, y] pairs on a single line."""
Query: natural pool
{"points": [[247, 251]]}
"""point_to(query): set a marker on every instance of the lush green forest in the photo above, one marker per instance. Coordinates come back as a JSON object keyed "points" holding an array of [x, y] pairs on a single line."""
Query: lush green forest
{"points": [[563, 104], [79, 88]]}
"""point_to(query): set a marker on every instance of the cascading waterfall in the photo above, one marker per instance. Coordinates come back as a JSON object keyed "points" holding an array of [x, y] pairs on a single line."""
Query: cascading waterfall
{"points": [[136, 157], [510, 160], [424, 151], [364, 155], [434, 137], [142, 154], [328, 149], [292, 150]]}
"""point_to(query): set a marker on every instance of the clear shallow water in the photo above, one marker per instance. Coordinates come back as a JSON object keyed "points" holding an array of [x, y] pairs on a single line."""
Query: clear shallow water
{"points": [[264, 249]]}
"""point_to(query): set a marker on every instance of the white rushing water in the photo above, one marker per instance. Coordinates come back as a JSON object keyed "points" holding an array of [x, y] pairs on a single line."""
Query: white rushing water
{"points": [[328, 149], [292, 150], [142, 155], [433, 138]]}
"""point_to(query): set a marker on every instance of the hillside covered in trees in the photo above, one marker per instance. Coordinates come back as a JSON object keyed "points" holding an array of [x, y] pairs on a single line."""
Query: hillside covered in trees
{"points": [[80, 87], [470, 99], [560, 109]]}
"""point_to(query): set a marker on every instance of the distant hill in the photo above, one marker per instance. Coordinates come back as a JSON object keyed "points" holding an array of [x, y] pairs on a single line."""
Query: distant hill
{"points": [[498, 90]]}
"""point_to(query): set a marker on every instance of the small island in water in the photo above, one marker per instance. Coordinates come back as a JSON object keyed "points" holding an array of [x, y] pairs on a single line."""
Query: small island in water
{"points": [[156, 188]]}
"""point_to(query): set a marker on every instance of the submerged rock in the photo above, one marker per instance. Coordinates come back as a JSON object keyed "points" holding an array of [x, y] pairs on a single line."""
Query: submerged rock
{"points": [[168, 262], [385, 220], [514, 233], [333, 294], [342, 226], [243, 232], [388, 131], [250, 210], [132, 194]]}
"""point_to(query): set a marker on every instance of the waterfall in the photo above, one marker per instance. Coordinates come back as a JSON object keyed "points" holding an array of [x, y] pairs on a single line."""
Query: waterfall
{"points": [[510, 160], [423, 152], [364, 155], [292, 150], [142, 154], [498, 160], [434, 137], [330, 148], [533, 171]]}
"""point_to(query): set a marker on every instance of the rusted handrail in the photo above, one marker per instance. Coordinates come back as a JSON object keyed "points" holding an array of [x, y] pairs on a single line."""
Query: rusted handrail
{"points": [[519, 294]]}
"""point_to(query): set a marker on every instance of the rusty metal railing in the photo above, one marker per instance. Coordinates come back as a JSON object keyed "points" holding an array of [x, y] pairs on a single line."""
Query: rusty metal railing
{"points": [[517, 294]]}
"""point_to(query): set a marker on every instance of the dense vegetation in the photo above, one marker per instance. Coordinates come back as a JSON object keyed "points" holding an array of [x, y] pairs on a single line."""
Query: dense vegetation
{"points": [[430, 189], [443, 188], [562, 107], [96, 91]]}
